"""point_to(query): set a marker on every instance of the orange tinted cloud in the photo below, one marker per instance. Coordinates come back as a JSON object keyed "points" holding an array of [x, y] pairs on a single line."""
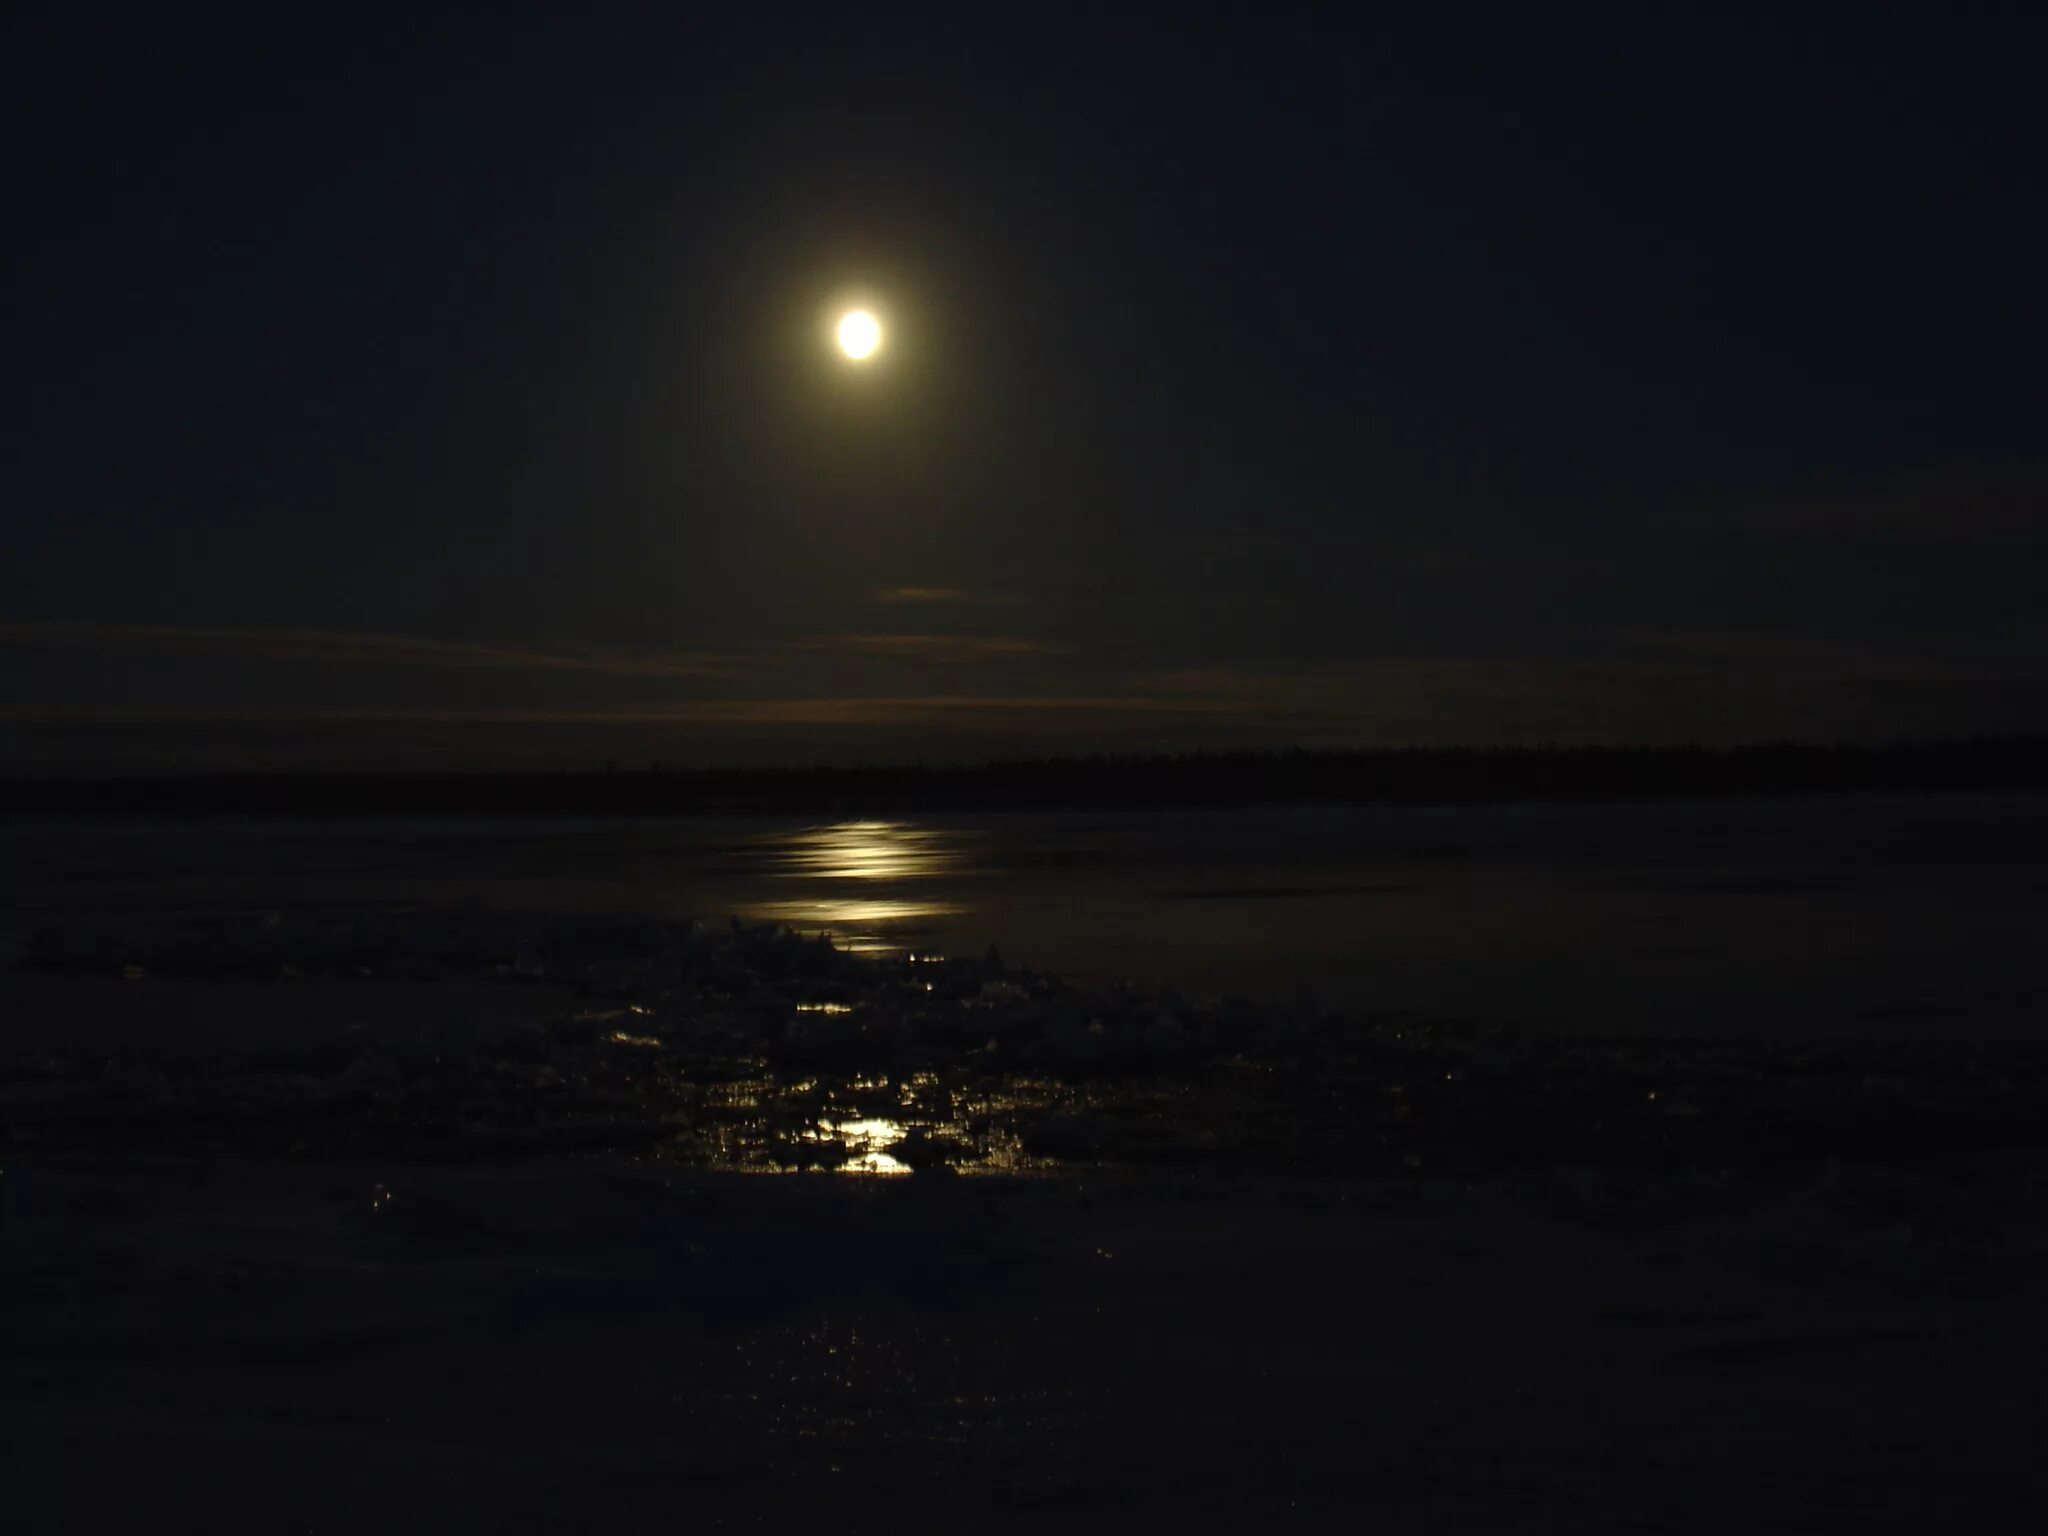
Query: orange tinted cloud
{"points": [[933, 647], [958, 596]]}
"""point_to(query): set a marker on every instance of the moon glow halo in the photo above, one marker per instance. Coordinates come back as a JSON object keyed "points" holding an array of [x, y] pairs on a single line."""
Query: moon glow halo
{"points": [[859, 335]]}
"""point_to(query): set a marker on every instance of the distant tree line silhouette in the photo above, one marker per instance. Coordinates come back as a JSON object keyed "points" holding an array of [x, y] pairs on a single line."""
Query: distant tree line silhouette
{"points": [[1400, 776]]}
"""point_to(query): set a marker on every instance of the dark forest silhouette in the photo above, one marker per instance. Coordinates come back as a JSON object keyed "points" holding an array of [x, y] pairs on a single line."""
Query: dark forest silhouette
{"points": [[1410, 776]]}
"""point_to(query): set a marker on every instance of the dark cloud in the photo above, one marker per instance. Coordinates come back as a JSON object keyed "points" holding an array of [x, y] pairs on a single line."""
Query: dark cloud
{"points": [[311, 645], [1994, 503]]}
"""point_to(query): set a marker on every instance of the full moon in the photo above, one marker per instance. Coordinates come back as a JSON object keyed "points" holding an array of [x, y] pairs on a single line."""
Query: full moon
{"points": [[860, 333]]}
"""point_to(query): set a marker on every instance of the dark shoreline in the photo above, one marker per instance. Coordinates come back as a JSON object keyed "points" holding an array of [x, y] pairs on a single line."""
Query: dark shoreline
{"points": [[1407, 776]]}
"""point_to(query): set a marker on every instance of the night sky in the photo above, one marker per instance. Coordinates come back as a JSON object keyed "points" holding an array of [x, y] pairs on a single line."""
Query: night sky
{"points": [[460, 392]]}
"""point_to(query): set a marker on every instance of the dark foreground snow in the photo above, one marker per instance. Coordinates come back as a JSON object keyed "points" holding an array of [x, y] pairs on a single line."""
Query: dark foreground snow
{"points": [[466, 1221]]}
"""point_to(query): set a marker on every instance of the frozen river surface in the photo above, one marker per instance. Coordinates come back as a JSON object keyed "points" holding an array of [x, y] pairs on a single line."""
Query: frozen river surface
{"points": [[1870, 917]]}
